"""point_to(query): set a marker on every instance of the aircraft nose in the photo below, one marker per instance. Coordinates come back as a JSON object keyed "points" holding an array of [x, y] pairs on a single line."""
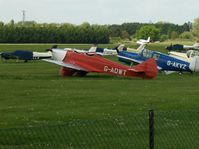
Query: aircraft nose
{"points": [[58, 54]]}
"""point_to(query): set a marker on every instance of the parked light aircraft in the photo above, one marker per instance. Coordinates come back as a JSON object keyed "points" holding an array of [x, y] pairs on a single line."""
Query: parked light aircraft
{"points": [[122, 47], [180, 47], [164, 62], [94, 49], [102, 51], [25, 55], [105, 51], [74, 63], [143, 41], [188, 56]]}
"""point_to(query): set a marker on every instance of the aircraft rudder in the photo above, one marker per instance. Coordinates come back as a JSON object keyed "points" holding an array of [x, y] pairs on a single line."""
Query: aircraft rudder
{"points": [[149, 68]]}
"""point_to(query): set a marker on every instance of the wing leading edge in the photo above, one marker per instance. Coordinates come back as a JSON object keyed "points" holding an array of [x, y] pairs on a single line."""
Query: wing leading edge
{"points": [[63, 64]]}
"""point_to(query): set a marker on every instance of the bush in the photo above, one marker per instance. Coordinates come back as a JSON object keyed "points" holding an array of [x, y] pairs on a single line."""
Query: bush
{"points": [[186, 35], [174, 35], [164, 37]]}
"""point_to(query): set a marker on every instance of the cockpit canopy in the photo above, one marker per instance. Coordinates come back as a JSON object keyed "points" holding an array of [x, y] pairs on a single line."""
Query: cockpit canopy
{"points": [[149, 54]]}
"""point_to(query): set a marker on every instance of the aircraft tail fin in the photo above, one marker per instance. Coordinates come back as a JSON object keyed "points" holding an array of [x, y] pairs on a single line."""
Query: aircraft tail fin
{"points": [[116, 48], [119, 48], [147, 69], [142, 46], [149, 38], [92, 49]]}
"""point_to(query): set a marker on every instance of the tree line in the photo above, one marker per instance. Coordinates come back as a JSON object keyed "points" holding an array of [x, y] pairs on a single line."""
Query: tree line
{"points": [[160, 30], [32, 32]]}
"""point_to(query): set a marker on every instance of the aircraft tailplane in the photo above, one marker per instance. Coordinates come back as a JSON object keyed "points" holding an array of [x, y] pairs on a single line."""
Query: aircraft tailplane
{"points": [[147, 69]]}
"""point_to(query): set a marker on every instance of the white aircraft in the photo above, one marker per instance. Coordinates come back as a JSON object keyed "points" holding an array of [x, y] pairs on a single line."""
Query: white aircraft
{"points": [[180, 47], [102, 51], [143, 41], [41, 55], [122, 47], [188, 56], [142, 44], [194, 46], [93, 49], [105, 51]]}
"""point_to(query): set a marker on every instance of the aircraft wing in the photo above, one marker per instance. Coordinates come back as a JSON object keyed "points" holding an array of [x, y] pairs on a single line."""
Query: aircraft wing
{"points": [[68, 65], [130, 59], [188, 47], [136, 61], [179, 55]]}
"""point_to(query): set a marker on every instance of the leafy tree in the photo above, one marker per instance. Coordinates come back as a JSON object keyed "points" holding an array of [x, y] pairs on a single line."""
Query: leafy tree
{"points": [[148, 31], [174, 35], [12, 22], [195, 27], [114, 30], [1, 24], [164, 37], [31, 32], [131, 28], [125, 35]]}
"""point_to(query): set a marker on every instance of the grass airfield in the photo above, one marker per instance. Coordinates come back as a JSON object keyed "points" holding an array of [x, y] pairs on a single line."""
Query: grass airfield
{"points": [[33, 94]]}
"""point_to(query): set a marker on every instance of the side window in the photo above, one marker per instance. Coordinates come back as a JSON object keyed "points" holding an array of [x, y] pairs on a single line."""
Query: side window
{"points": [[147, 53], [156, 56], [144, 53]]}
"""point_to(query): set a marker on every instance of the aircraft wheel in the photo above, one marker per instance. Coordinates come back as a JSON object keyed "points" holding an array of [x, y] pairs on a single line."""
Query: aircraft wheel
{"points": [[66, 72], [79, 73]]}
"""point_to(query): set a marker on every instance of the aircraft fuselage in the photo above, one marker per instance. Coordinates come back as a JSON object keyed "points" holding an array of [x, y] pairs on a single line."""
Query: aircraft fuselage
{"points": [[164, 62]]}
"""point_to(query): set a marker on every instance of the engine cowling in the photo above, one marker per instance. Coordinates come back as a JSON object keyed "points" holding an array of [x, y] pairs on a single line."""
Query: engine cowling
{"points": [[194, 64]]}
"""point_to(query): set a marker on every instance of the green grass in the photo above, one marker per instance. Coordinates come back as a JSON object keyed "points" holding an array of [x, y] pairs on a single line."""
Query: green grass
{"points": [[33, 97]]}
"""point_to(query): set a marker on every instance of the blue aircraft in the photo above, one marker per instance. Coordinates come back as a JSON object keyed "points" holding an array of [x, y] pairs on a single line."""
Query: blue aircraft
{"points": [[25, 55], [165, 63]]}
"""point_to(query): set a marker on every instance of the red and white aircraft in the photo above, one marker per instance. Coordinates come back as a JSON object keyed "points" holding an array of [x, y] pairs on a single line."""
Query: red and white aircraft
{"points": [[74, 63]]}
